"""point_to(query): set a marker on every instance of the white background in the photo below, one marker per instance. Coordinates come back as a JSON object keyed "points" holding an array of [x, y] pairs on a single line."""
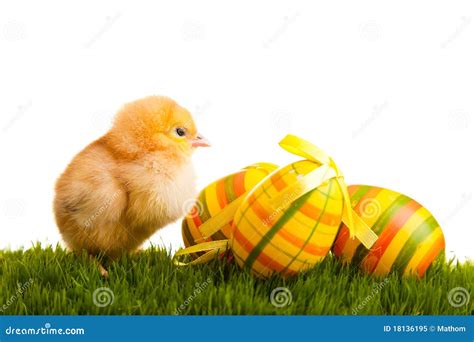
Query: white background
{"points": [[386, 89]]}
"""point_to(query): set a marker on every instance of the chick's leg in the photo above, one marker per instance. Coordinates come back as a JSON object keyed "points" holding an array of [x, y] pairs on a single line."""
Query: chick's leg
{"points": [[102, 270]]}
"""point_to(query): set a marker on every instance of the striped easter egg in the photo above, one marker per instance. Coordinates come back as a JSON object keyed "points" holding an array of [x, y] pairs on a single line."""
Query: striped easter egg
{"points": [[293, 236], [218, 196], [410, 238]]}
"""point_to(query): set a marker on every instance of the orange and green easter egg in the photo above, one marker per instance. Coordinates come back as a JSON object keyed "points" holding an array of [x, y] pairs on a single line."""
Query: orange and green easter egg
{"points": [[410, 238], [291, 236], [217, 196]]}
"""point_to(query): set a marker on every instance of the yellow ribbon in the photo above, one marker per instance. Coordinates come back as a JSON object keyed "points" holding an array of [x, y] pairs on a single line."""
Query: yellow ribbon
{"points": [[218, 221], [212, 249], [305, 184], [328, 170], [357, 227], [214, 224]]}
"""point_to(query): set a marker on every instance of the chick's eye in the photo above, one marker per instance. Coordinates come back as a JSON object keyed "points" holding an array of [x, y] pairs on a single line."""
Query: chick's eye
{"points": [[181, 132]]}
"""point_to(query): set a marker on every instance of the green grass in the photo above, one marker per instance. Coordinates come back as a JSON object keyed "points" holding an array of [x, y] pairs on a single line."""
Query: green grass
{"points": [[149, 283]]}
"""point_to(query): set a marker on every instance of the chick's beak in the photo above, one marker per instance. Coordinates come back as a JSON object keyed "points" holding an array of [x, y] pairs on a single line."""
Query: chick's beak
{"points": [[200, 141]]}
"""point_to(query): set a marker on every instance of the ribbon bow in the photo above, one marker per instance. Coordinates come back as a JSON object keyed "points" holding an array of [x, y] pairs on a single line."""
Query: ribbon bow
{"points": [[357, 227]]}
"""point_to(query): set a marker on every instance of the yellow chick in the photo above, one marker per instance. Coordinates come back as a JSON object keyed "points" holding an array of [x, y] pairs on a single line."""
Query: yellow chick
{"points": [[131, 182]]}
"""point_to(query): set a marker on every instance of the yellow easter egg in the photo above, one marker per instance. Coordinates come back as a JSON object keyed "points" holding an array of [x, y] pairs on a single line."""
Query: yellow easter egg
{"points": [[410, 238], [289, 236], [217, 196]]}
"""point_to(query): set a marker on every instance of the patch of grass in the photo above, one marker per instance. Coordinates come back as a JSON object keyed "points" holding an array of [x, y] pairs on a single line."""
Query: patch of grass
{"points": [[148, 283]]}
